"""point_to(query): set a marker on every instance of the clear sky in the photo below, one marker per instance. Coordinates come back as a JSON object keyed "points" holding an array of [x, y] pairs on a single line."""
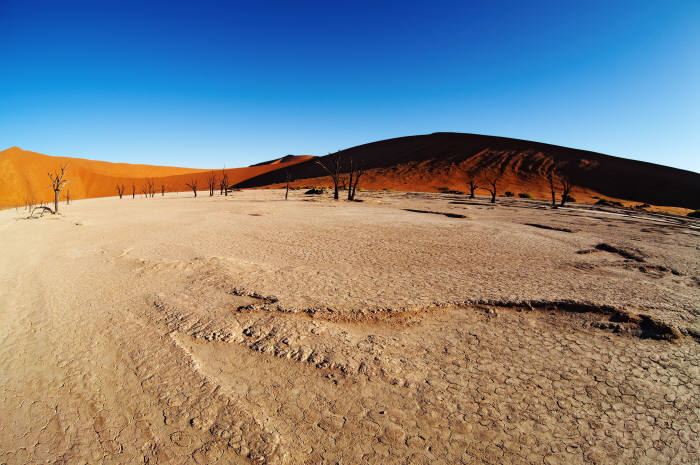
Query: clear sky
{"points": [[206, 84]]}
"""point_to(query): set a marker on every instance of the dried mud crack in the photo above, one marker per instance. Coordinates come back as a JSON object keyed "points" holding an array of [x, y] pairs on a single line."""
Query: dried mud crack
{"points": [[161, 332]]}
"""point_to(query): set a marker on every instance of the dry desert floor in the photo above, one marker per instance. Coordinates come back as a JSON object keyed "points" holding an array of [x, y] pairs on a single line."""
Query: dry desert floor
{"points": [[407, 328]]}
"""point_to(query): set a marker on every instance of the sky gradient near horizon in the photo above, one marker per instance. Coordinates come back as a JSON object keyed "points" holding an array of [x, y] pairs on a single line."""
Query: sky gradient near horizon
{"points": [[205, 84]]}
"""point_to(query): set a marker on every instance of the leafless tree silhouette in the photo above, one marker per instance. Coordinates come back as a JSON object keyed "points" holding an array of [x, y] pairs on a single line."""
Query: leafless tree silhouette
{"points": [[151, 187], [552, 179], [492, 180], [33, 207], [565, 189], [356, 171], [333, 171], [224, 182], [211, 182], [162, 190], [58, 181], [133, 190], [120, 190], [287, 175], [192, 185], [471, 184]]}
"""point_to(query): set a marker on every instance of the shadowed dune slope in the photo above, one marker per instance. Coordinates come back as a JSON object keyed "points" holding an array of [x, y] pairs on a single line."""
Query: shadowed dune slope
{"points": [[23, 175], [286, 159], [444, 160]]}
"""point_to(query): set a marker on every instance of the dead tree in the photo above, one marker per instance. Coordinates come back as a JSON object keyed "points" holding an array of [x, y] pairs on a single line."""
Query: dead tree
{"points": [[492, 181], [471, 184], [223, 185], [120, 190], [150, 183], [162, 190], [333, 171], [211, 182], [133, 190], [67, 196], [565, 189], [34, 207], [552, 178], [288, 176], [145, 190], [356, 171], [58, 180], [192, 185]]}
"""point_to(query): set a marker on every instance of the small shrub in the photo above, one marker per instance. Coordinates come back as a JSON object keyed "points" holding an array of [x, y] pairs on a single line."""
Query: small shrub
{"points": [[443, 189], [314, 191], [525, 195], [570, 199], [609, 203], [695, 214], [509, 194]]}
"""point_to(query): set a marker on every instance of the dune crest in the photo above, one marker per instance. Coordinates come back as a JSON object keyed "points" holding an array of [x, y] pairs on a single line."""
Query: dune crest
{"points": [[23, 176]]}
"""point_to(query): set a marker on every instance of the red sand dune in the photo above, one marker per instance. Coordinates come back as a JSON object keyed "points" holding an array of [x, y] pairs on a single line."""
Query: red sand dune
{"points": [[23, 176], [442, 161], [433, 162]]}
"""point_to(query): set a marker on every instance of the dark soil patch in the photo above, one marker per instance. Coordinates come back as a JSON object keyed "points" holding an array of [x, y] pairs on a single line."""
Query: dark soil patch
{"points": [[449, 215], [552, 228], [626, 253]]}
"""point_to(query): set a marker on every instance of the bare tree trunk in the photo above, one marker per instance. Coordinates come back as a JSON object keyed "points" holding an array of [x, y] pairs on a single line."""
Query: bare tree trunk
{"points": [[472, 187], [58, 180], [350, 179], [192, 185], [354, 178], [289, 178], [492, 181], [566, 189], [552, 189], [334, 173]]}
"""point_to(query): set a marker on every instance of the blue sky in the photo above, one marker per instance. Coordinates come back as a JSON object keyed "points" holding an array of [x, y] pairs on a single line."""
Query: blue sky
{"points": [[207, 84]]}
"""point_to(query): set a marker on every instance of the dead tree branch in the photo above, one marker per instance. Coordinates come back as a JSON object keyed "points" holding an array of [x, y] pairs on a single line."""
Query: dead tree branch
{"points": [[333, 171], [192, 185], [565, 189], [211, 183], [288, 176], [224, 182], [552, 178], [356, 171], [58, 181], [492, 181], [472, 185]]}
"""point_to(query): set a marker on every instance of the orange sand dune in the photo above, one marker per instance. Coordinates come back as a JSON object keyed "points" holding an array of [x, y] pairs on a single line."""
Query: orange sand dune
{"points": [[286, 159], [23, 176], [444, 161]]}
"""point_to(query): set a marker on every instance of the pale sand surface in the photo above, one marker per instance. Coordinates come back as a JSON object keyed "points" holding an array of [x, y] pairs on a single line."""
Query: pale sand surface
{"points": [[249, 329]]}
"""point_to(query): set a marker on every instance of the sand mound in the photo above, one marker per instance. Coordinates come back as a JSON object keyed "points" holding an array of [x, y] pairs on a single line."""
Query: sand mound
{"points": [[444, 161], [23, 176]]}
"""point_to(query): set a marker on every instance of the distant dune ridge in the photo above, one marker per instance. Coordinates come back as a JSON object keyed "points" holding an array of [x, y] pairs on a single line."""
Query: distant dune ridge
{"points": [[432, 162], [445, 160], [23, 175]]}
